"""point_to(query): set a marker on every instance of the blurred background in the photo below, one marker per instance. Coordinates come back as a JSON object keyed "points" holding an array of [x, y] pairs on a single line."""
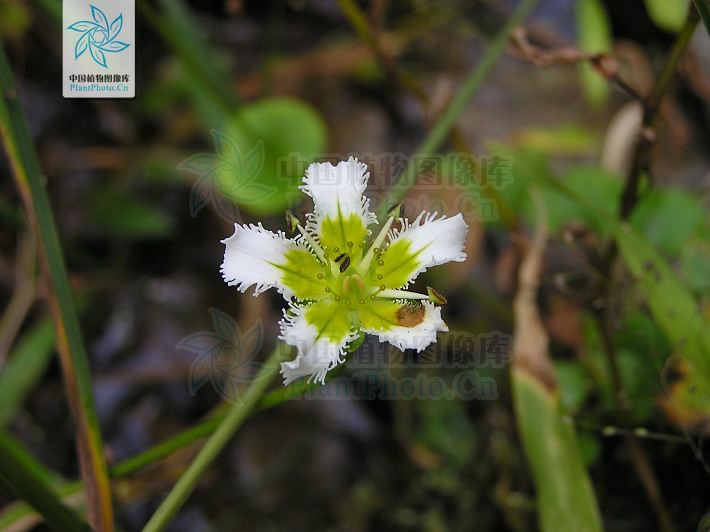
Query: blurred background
{"points": [[141, 223]]}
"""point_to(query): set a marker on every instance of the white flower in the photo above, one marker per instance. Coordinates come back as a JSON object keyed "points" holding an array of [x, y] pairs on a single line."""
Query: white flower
{"points": [[337, 286]]}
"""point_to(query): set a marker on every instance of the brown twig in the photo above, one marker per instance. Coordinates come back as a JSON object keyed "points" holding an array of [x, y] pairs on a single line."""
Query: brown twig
{"points": [[523, 49]]}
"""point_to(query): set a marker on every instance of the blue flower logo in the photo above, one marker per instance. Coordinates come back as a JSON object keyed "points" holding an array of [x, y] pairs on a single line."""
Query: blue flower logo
{"points": [[98, 36]]}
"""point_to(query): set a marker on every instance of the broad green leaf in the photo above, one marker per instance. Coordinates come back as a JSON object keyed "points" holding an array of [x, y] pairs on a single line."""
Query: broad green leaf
{"points": [[594, 35], [668, 217], [668, 15], [695, 265], [574, 384], [680, 318], [293, 135], [125, 216], [596, 185], [566, 499], [671, 304]]}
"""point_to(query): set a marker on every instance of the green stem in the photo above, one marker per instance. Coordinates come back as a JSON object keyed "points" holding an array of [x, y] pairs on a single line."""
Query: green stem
{"points": [[28, 484], [451, 114], [70, 346], [177, 442], [232, 421]]}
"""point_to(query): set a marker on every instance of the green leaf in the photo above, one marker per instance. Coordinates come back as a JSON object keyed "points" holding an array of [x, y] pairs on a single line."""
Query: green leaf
{"points": [[594, 35], [293, 135], [668, 15], [28, 483], [668, 217], [72, 354], [566, 500], [564, 139], [679, 316], [595, 184], [24, 367], [122, 215], [574, 384], [695, 265]]}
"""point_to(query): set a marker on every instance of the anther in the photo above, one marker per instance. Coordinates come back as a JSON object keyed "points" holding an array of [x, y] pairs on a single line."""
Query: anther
{"points": [[339, 257], [345, 264], [435, 297], [396, 210], [292, 222]]}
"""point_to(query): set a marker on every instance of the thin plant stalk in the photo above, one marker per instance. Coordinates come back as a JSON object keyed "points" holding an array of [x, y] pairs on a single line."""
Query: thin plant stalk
{"points": [[448, 119], [219, 439]]}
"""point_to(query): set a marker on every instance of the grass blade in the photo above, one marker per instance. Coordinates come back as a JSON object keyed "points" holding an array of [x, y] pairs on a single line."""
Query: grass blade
{"points": [[28, 483], [75, 368], [451, 114], [24, 367]]}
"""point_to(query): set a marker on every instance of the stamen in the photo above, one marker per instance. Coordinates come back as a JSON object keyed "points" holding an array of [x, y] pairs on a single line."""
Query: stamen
{"points": [[401, 294], [435, 297], [367, 259], [292, 222], [345, 264]]}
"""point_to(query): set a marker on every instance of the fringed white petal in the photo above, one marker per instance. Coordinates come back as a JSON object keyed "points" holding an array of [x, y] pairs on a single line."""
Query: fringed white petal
{"points": [[252, 256], [418, 337], [320, 348], [337, 192], [435, 241]]}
